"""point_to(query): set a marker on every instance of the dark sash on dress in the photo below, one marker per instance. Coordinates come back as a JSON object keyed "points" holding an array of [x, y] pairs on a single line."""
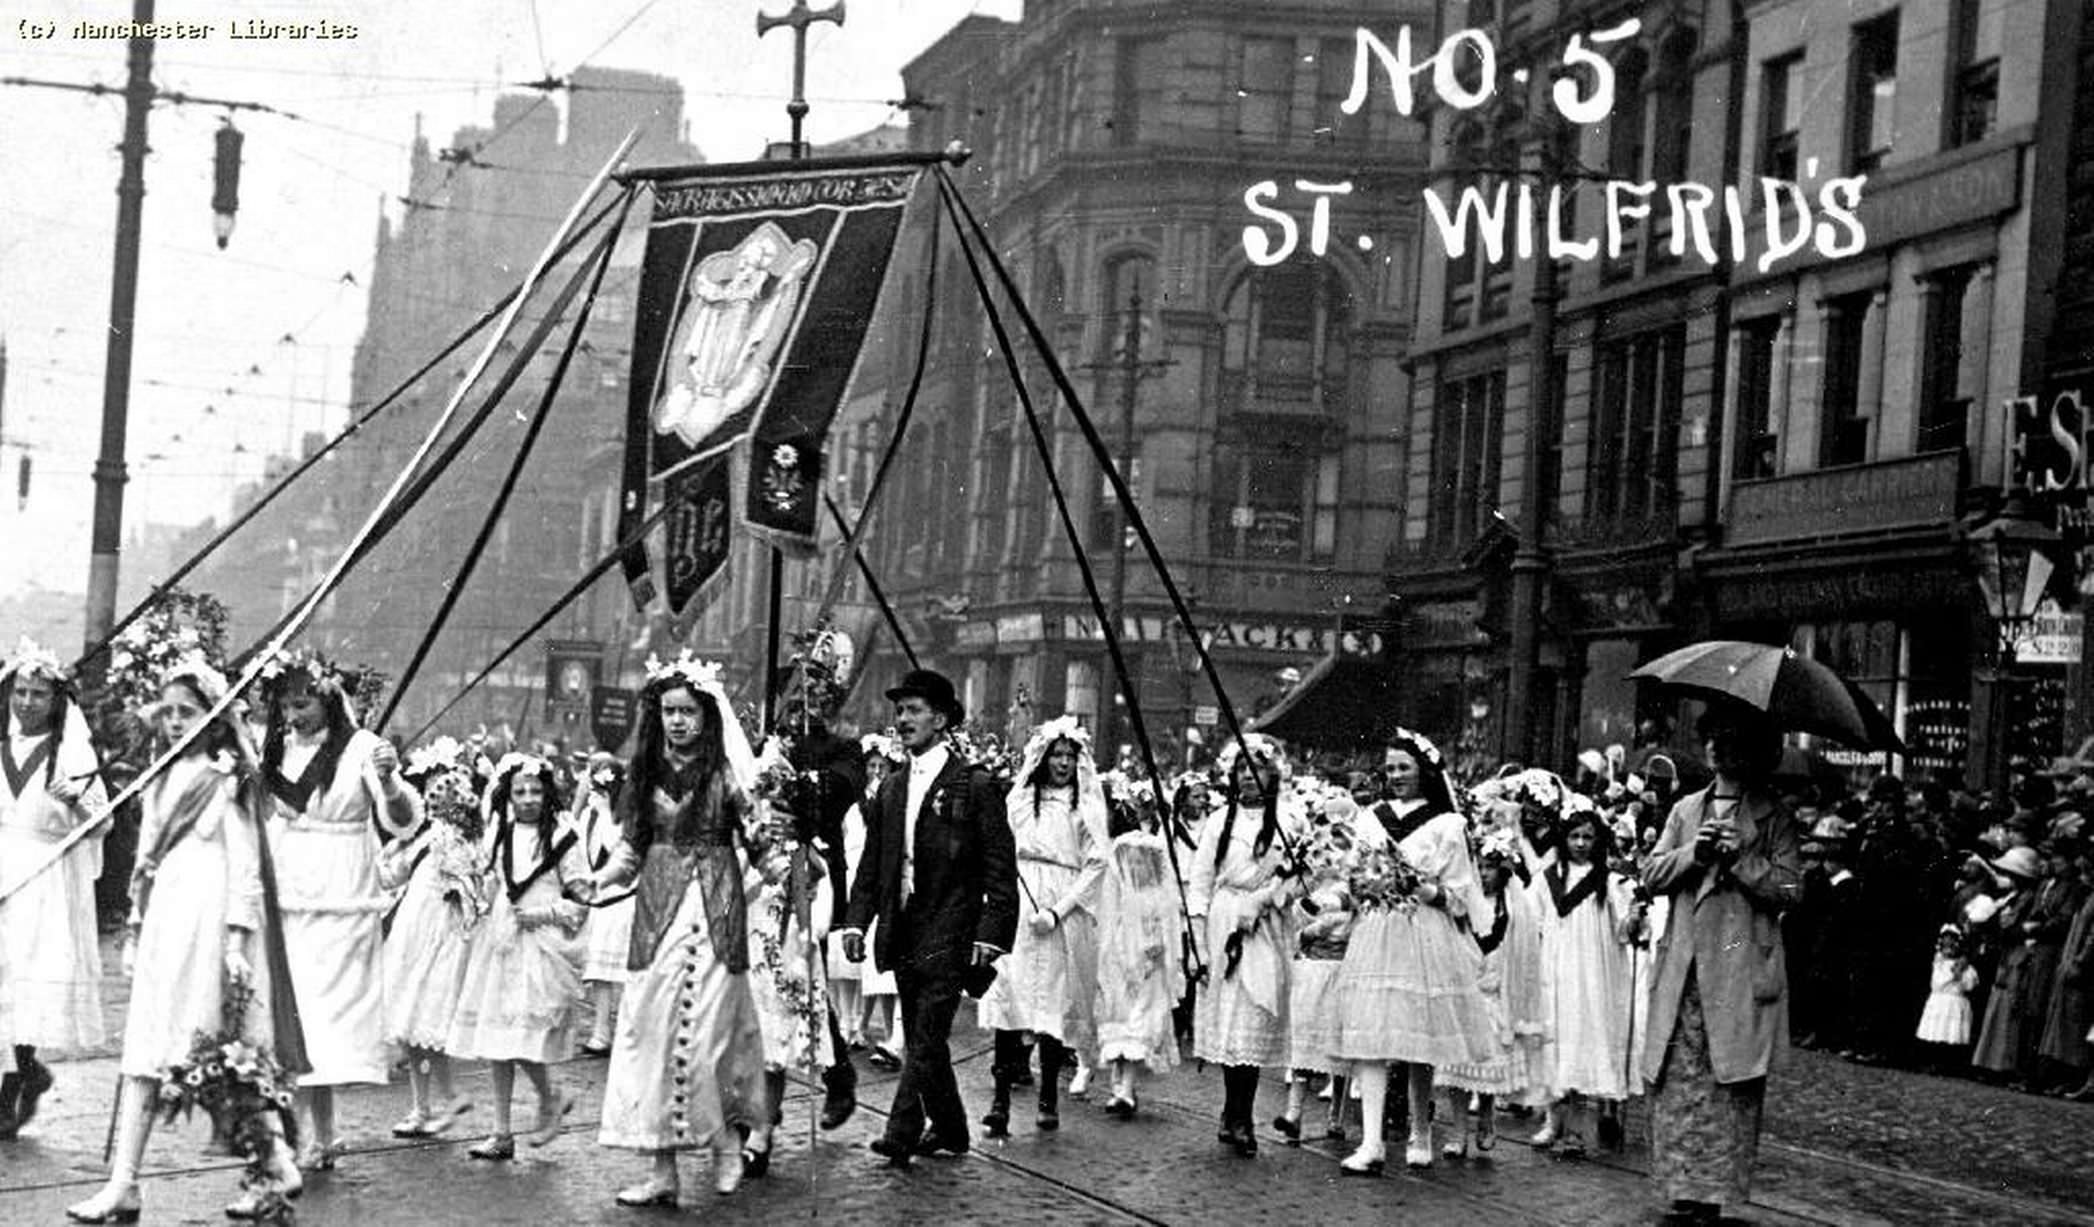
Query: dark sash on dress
{"points": [[1567, 901], [18, 774]]}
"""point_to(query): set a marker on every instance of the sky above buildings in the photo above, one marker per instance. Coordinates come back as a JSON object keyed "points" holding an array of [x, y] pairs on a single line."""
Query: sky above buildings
{"points": [[240, 352]]}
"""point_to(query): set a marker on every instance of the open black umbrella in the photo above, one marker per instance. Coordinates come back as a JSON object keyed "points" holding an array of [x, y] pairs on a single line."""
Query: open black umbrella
{"points": [[1796, 692]]}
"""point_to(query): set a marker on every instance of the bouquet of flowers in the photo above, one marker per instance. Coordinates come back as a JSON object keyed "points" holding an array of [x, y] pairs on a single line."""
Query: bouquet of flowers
{"points": [[239, 1085], [1381, 879]]}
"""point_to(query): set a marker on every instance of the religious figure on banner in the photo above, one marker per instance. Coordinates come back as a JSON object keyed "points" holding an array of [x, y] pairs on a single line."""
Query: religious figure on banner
{"points": [[740, 304]]}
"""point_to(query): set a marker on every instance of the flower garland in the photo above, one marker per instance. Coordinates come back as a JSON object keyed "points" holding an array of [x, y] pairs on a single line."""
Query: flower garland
{"points": [[240, 1086]]}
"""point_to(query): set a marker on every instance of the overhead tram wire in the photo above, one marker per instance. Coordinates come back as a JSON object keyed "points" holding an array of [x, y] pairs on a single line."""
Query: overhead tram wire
{"points": [[947, 191], [424, 480], [1098, 448], [601, 259], [597, 571], [285, 482]]}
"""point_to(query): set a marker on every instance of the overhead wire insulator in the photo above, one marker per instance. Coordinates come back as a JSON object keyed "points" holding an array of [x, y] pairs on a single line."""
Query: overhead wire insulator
{"points": [[225, 181]]}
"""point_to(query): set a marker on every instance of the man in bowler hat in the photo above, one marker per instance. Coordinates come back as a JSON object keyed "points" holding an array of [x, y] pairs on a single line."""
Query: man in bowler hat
{"points": [[940, 875]]}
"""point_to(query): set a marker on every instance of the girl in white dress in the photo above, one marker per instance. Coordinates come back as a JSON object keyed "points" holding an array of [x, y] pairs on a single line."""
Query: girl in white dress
{"points": [[1585, 980], [1046, 988], [608, 935], [867, 998], [1322, 926], [1140, 976], [516, 1004], [49, 785], [445, 895], [204, 916], [335, 785], [1411, 989], [687, 1061], [1945, 1021], [1510, 937], [1238, 899]]}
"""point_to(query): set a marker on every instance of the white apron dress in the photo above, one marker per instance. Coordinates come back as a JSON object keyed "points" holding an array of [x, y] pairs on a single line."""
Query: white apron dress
{"points": [[425, 953], [1240, 1018], [210, 879], [327, 873], [1411, 987], [520, 988], [52, 994], [607, 936], [1048, 984], [1586, 987], [1140, 976]]}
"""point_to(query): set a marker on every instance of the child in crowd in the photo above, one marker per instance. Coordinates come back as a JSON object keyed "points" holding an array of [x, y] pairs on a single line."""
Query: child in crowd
{"points": [[425, 951], [1585, 981], [607, 935], [1945, 1022], [516, 1009]]}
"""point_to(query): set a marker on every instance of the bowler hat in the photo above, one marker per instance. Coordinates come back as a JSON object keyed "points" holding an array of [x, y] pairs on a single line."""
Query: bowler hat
{"points": [[933, 688]]}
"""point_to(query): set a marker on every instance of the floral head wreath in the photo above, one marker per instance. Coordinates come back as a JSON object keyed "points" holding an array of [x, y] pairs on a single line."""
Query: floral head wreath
{"points": [[1420, 747], [1263, 750], [1061, 728], [32, 659], [1499, 844], [443, 753], [686, 668], [210, 685], [517, 763], [359, 685], [882, 745]]}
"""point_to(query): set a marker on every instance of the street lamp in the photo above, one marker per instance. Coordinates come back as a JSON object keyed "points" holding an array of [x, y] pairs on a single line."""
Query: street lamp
{"points": [[2011, 554]]}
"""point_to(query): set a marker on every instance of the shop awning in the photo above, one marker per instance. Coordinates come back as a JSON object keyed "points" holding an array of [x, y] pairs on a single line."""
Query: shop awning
{"points": [[1345, 702]]}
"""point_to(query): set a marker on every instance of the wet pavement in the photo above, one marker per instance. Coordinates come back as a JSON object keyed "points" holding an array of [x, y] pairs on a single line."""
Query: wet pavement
{"points": [[1845, 1144]]}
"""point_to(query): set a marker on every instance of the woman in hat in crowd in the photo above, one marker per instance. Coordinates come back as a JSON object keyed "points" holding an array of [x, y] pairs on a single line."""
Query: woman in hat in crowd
{"points": [[336, 786], [50, 785], [1730, 861], [1046, 987], [2028, 928], [204, 924], [687, 1059], [1411, 987], [2072, 999], [1238, 900]]}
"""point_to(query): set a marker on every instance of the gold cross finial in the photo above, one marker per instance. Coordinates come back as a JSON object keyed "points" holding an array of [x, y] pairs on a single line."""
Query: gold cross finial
{"points": [[799, 18]]}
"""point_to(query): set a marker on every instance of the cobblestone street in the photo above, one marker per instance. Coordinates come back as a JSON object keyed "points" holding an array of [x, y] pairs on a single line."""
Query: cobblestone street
{"points": [[1845, 1144]]}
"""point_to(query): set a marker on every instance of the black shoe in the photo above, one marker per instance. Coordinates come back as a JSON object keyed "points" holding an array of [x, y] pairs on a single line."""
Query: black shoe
{"points": [[934, 1142], [35, 1081], [997, 1123], [838, 1106], [1050, 1120], [1245, 1141], [1289, 1129], [756, 1164], [896, 1153], [882, 1059], [1609, 1133]]}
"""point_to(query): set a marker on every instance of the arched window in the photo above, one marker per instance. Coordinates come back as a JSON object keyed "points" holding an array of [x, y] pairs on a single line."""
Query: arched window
{"points": [[1287, 340]]}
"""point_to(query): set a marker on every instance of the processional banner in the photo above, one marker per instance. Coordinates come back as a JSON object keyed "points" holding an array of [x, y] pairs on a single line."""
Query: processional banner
{"points": [[756, 293]]}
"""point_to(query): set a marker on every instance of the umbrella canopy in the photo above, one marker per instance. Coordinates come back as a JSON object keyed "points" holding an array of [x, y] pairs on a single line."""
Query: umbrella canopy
{"points": [[1796, 692]]}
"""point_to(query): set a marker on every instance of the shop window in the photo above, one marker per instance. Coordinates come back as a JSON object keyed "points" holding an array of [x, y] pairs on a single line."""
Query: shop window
{"points": [[1468, 434], [1286, 344], [1872, 104], [1781, 116], [1843, 436], [1754, 452], [1264, 89], [1263, 499], [1974, 48]]}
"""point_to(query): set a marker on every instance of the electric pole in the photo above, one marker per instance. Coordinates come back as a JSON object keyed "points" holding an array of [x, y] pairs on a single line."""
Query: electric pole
{"points": [[109, 471]]}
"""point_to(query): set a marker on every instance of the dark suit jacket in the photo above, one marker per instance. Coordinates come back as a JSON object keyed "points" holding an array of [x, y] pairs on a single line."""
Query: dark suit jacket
{"points": [[966, 873]]}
